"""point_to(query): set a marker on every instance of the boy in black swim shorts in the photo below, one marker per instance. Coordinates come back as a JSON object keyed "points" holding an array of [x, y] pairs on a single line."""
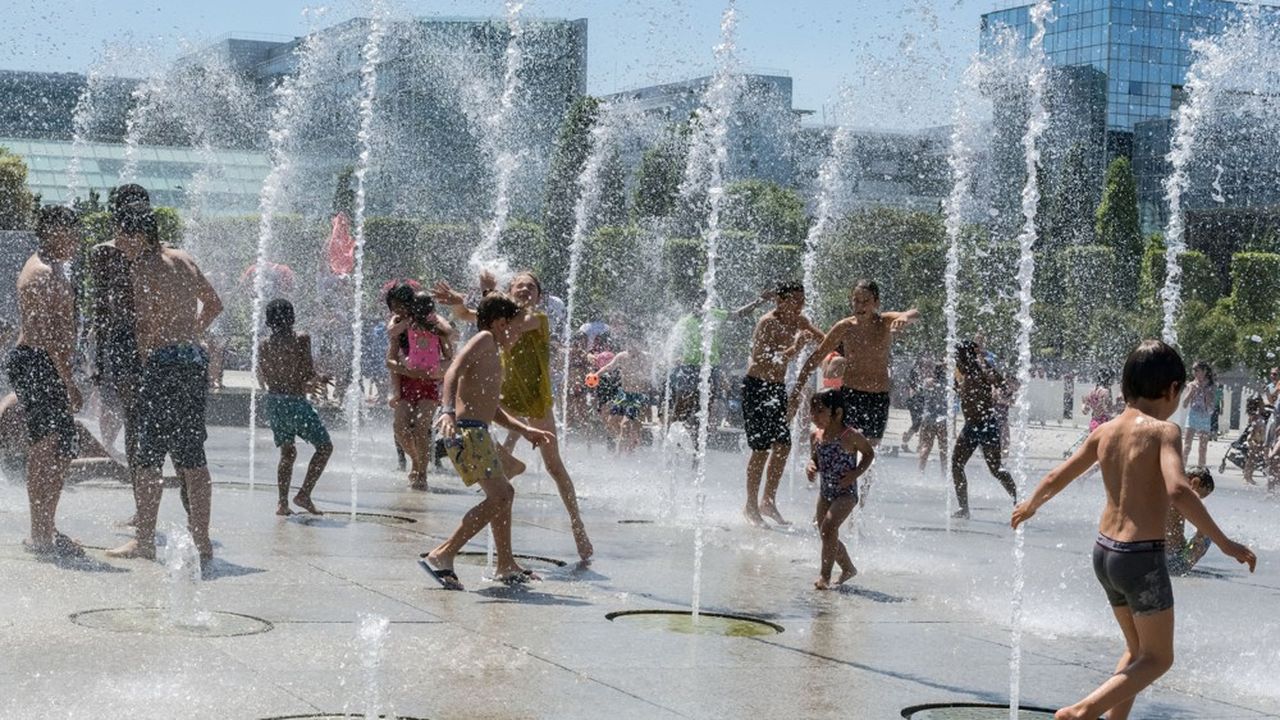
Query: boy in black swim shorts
{"points": [[39, 369], [1140, 456]]}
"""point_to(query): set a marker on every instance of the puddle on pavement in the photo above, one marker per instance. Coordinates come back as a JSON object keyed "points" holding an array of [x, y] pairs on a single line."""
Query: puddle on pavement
{"points": [[682, 621]]}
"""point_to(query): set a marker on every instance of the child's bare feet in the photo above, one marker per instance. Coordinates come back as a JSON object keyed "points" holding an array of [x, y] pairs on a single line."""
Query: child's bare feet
{"points": [[846, 574], [770, 511], [304, 502], [753, 517], [822, 584], [585, 550], [282, 508], [418, 480], [133, 549], [1069, 713]]}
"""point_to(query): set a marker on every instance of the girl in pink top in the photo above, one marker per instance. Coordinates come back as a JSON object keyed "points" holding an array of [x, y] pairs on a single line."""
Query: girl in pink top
{"points": [[418, 348]]}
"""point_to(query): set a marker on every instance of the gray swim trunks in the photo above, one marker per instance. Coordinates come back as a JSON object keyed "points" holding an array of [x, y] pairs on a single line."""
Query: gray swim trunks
{"points": [[1133, 574]]}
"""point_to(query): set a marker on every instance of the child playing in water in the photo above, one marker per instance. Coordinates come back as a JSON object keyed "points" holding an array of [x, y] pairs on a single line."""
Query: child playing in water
{"points": [[286, 369], [470, 394], [417, 348], [1180, 553], [1140, 455], [841, 455]]}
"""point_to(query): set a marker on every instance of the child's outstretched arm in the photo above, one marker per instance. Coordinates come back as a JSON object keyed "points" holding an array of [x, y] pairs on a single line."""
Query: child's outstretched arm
{"points": [[1183, 497], [1081, 460]]}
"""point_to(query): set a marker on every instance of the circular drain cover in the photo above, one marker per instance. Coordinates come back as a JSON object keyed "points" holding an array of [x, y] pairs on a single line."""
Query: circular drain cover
{"points": [[682, 621], [971, 711], [323, 716], [155, 621], [337, 517]]}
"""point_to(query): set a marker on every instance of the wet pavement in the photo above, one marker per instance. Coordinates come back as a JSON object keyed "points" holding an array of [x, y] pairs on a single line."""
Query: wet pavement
{"points": [[925, 621]]}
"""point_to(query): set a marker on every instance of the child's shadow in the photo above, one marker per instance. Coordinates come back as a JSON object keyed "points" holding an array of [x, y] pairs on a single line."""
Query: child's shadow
{"points": [[872, 595], [522, 594], [219, 568]]}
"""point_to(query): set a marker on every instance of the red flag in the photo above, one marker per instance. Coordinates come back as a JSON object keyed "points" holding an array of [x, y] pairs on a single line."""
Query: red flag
{"points": [[341, 249]]}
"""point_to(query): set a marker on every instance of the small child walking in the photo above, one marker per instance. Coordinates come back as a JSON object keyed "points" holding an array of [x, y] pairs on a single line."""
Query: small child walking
{"points": [[418, 347], [1140, 455], [285, 368], [841, 455]]}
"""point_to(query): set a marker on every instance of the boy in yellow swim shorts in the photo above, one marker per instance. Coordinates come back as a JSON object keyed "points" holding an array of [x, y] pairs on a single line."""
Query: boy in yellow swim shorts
{"points": [[469, 403]]}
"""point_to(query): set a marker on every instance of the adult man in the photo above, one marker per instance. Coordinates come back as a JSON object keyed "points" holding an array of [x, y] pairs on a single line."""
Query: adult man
{"points": [[174, 306], [779, 335], [40, 373], [867, 337]]}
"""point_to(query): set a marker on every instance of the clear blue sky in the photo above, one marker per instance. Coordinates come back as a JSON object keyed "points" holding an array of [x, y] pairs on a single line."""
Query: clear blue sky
{"points": [[899, 57]]}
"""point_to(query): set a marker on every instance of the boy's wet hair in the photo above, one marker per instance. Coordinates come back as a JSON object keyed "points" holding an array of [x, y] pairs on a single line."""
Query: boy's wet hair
{"points": [[870, 286], [829, 398], [1201, 474], [280, 317], [402, 293], [1150, 370], [51, 218], [495, 306], [128, 195], [788, 289], [967, 357]]}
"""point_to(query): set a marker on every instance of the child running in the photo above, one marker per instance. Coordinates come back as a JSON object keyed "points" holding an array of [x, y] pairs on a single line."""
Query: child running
{"points": [[417, 347], [841, 455], [470, 392], [286, 369], [1141, 461]]}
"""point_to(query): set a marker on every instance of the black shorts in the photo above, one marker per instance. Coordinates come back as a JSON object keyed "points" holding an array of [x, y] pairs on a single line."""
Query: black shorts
{"points": [[43, 395], [764, 413], [866, 411], [170, 407], [686, 397], [983, 432], [1133, 574]]}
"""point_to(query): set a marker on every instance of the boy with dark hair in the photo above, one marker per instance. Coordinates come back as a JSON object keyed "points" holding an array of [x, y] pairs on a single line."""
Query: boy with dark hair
{"points": [[1182, 554], [174, 305], [978, 385], [779, 335], [1140, 455], [470, 397], [285, 368], [39, 370]]}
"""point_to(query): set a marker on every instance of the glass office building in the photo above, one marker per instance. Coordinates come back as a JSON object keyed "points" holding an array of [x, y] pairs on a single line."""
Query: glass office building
{"points": [[1143, 46], [228, 180]]}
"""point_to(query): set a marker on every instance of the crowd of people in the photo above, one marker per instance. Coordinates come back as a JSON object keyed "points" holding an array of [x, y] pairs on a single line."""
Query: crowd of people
{"points": [[449, 380]]}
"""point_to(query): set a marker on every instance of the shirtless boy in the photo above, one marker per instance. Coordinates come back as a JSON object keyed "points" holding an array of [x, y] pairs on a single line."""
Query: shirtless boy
{"points": [[174, 306], [40, 373], [867, 338], [1140, 455], [469, 404], [978, 385], [779, 336], [286, 369]]}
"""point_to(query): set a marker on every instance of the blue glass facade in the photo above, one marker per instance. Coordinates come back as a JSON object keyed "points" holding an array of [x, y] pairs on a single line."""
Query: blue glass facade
{"points": [[1143, 46]]}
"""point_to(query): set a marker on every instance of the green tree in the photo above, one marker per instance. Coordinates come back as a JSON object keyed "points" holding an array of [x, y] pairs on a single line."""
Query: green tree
{"points": [[1119, 225], [1072, 207], [773, 213], [660, 173], [572, 148], [16, 202], [1255, 282], [344, 194]]}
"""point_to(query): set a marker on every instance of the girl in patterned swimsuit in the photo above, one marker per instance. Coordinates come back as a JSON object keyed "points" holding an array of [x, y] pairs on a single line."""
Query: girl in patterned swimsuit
{"points": [[841, 455]]}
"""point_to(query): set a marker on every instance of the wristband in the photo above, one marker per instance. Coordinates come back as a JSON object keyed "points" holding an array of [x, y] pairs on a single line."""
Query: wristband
{"points": [[448, 411]]}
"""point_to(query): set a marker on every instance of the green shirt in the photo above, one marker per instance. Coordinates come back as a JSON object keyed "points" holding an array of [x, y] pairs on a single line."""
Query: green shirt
{"points": [[688, 330]]}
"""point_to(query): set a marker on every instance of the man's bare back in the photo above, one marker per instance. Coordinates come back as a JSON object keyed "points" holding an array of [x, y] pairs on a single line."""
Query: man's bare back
{"points": [[776, 340], [174, 301]]}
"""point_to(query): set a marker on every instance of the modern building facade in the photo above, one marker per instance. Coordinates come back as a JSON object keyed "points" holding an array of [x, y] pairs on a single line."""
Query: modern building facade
{"points": [[1142, 46], [761, 129]]}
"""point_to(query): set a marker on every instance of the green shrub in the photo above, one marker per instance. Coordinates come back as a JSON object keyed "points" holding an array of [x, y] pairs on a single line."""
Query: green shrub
{"points": [[1255, 286]]}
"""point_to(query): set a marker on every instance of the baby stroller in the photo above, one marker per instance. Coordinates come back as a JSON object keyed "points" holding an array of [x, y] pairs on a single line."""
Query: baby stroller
{"points": [[1238, 452]]}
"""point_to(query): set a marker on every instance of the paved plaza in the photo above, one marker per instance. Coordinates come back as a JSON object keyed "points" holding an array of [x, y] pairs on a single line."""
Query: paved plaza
{"points": [[926, 620]]}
